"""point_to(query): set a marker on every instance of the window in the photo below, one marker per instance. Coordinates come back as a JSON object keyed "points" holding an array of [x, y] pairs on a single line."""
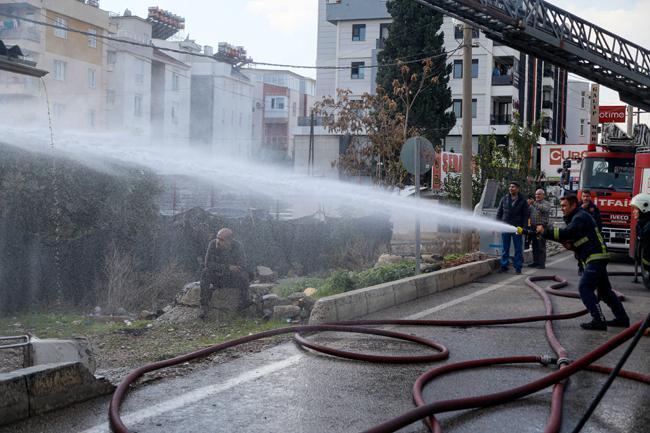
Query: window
{"points": [[277, 103], [458, 32], [111, 58], [356, 73], [458, 108], [458, 68], [137, 106], [110, 97], [60, 31], [175, 113], [139, 71], [582, 127], [383, 33], [58, 110], [175, 81], [92, 79], [294, 108], [358, 32], [59, 70], [582, 101], [92, 38], [91, 118]]}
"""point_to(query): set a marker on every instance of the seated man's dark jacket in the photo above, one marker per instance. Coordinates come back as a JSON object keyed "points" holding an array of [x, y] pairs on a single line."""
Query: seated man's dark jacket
{"points": [[514, 214], [583, 234], [218, 260]]}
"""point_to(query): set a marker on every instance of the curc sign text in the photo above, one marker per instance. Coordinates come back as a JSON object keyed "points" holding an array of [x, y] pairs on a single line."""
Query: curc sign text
{"points": [[552, 156], [612, 114]]}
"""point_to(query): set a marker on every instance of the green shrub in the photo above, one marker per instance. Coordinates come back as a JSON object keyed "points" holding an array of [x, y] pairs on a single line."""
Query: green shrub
{"points": [[343, 281]]}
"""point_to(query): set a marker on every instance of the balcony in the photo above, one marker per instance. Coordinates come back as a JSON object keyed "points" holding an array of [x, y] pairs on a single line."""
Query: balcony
{"points": [[500, 119], [503, 80], [306, 121], [24, 33], [349, 10]]}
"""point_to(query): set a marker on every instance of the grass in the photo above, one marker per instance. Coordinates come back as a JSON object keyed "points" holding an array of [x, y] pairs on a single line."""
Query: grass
{"points": [[341, 281]]}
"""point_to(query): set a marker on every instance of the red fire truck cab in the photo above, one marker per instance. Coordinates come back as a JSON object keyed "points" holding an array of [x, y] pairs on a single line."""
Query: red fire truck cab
{"points": [[608, 174]]}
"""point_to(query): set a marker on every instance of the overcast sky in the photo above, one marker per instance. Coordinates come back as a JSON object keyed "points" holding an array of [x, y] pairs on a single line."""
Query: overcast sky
{"points": [[285, 31]]}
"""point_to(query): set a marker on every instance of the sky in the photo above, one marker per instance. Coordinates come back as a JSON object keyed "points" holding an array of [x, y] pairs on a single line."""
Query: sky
{"points": [[285, 31]]}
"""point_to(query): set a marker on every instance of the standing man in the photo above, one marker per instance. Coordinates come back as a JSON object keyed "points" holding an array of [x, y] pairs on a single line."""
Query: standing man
{"points": [[513, 210], [540, 211], [225, 266], [590, 206], [585, 238]]}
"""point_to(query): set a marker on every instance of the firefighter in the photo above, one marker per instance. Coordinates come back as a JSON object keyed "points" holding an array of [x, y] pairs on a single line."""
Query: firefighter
{"points": [[641, 207], [582, 234]]}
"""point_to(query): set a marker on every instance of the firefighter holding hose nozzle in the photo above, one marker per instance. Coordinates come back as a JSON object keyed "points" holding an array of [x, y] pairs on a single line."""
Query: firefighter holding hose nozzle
{"points": [[641, 208], [581, 235]]}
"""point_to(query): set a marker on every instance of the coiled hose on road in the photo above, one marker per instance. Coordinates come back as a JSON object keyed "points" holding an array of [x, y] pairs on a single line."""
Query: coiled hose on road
{"points": [[426, 411]]}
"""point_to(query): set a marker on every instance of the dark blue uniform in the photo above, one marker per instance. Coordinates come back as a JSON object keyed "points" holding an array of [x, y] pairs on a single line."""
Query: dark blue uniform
{"points": [[585, 238]]}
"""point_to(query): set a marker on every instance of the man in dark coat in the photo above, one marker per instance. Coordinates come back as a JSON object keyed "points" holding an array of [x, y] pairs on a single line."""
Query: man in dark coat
{"points": [[513, 210], [225, 266], [582, 235]]}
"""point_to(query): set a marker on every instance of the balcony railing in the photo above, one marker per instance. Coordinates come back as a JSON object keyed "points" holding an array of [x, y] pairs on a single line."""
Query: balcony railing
{"points": [[306, 121], [25, 33], [500, 119], [503, 80]]}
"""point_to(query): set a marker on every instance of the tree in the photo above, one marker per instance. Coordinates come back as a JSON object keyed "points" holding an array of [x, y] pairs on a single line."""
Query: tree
{"points": [[427, 104], [376, 130], [499, 161]]}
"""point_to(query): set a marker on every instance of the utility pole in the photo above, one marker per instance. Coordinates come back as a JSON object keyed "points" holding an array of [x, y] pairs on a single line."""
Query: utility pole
{"points": [[310, 157], [466, 169], [418, 241]]}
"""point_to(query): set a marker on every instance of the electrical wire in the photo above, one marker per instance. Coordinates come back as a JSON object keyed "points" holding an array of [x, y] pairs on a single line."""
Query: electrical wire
{"points": [[195, 54]]}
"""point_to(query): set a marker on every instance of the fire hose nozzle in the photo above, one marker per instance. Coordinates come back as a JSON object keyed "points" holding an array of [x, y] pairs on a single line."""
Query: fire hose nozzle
{"points": [[525, 231], [547, 359]]}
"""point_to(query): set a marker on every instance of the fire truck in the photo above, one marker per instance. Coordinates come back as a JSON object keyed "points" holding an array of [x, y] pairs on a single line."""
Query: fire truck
{"points": [[641, 185], [609, 171]]}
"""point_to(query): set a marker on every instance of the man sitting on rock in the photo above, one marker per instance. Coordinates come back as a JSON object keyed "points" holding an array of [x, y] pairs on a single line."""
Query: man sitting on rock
{"points": [[225, 266]]}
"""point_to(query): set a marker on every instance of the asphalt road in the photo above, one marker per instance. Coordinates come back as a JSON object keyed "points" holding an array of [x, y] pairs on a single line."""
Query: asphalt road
{"points": [[287, 389]]}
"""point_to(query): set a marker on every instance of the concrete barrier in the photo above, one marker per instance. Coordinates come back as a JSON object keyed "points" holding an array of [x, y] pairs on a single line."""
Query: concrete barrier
{"points": [[357, 303], [42, 388]]}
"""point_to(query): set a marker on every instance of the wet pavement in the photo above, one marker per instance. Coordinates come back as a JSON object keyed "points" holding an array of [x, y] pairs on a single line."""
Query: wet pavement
{"points": [[287, 389]]}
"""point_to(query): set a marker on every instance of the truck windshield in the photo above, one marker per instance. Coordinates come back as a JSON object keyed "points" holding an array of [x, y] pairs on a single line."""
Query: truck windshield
{"points": [[615, 174]]}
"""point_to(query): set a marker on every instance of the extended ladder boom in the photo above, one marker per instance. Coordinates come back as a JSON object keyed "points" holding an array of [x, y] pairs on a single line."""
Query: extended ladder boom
{"points": [[552, 34]]}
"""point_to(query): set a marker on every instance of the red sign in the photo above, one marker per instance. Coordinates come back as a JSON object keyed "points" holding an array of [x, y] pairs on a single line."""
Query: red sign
{"points": [[612, 114]]}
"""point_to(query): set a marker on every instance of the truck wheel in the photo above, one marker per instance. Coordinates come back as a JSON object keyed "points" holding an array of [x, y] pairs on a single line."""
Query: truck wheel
{"points": [[645, 268]]}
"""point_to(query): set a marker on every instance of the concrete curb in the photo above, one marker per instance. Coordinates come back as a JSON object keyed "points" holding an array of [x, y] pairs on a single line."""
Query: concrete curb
{"points": [[357, 303], [30, 391]]}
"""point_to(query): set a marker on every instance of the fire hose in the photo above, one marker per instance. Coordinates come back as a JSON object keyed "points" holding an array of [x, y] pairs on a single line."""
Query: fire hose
{"points": [[426, 411]]}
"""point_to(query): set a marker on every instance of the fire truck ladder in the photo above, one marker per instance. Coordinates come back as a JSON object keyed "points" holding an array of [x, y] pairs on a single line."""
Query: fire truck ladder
{"points": [[549, 33]]}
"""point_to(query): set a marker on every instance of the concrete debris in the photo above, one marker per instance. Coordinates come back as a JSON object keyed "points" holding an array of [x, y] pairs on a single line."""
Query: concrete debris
{"points": [[283, 312], [266, 274], [310, 291], [147, 315], [50, 351]]}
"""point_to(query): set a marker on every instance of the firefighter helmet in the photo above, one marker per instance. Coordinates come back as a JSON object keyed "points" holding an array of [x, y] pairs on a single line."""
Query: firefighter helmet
{"points": [[641, 202]]}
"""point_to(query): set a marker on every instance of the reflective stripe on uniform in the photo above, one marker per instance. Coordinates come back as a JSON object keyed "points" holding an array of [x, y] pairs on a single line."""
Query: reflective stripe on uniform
{"points": [[602, 242], [581, 241], [599, 256], [556, 233], [645, 262]]}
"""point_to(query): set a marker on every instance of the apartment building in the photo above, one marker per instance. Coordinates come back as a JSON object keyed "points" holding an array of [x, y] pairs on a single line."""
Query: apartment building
{"points": [[352, 32], [75, 61], [579, 107], [128, 77], [222, 104], [282, 102]]}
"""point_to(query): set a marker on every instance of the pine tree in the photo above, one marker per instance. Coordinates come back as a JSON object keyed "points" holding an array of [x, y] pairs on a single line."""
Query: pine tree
{"points": [[415, 34]]}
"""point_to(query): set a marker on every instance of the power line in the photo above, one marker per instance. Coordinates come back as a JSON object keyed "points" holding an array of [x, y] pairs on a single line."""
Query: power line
{"points": [[195, 54]]}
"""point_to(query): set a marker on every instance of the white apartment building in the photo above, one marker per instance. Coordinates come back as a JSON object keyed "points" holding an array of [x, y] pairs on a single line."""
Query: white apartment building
{"points": [[170, 93], [128, 78], [283, 102], [221, 107], [351, 32], [75, 62], [578, 124]]}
